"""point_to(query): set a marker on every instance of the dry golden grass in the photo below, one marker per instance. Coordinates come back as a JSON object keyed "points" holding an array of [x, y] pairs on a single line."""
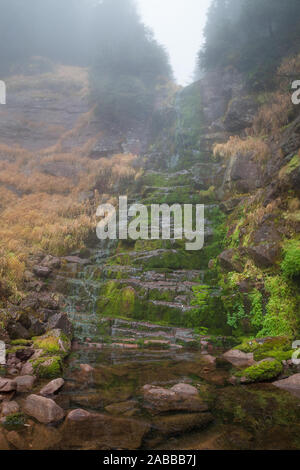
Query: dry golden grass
{"points": [[237, 146], [62, 78], [273, 115], [40, 211]]}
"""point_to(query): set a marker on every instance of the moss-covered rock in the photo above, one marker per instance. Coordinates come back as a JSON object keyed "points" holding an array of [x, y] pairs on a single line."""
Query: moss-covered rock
{"points": [[54, 342], [261, 372], [48, 367], [280, 343]]}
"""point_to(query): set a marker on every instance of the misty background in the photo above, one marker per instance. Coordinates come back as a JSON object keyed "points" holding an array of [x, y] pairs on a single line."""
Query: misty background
{"points": [[178, 25]]}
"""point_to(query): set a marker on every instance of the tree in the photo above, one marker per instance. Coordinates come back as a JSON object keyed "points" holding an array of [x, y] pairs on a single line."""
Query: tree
{"points": [[129, 63], [251, 35]]}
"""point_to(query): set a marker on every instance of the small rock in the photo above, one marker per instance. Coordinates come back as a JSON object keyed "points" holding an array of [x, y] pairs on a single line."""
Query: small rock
{"points": [[9, 408], [52, 387], [43, 409], [86, 368], [239, 358], [24, 354], [181, 397], [7, 385], [25, 383], [51, 262], [27, 369], [210, 359], [42, 271], [185, 389]]}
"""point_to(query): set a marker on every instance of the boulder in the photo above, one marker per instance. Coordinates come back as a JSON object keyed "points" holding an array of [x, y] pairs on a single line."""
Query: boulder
{"points": [[42, 271], [291, 384], [266, 233], [43, 409], [9, 408], [52, 387], [17, 331], [27, 369], [25, 383], [264, 256], [238, 358], [61, 321], [181, 397], [7, 385], [229, 261], [24, 354], [51, 262], [240, 114], [109, 432]]}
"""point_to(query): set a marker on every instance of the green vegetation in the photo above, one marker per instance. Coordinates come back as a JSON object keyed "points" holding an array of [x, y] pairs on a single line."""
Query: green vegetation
{"points": [[53, 342], [291, 263], [281, 310], [262, 372], [252, 36], [278, 348], [14, 422], [129, 65], [48, 367]]}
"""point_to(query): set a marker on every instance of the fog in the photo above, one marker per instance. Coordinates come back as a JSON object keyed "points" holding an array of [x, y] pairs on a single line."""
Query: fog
{"points": [[178, 25]]}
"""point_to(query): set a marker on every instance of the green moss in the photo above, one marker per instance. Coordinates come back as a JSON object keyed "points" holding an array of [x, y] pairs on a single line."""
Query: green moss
{"points": [[14, 349], [265, 345], [262, 372], [256, 312], [274, 353], [21, 342], [291, 263], [282, 308], [54, 342], [14, 422], [291, 166], [48, 367]]}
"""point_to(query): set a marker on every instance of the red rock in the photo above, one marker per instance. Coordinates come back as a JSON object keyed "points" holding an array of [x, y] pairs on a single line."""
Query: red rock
{"points": [[52, 387], [45, 410]]}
